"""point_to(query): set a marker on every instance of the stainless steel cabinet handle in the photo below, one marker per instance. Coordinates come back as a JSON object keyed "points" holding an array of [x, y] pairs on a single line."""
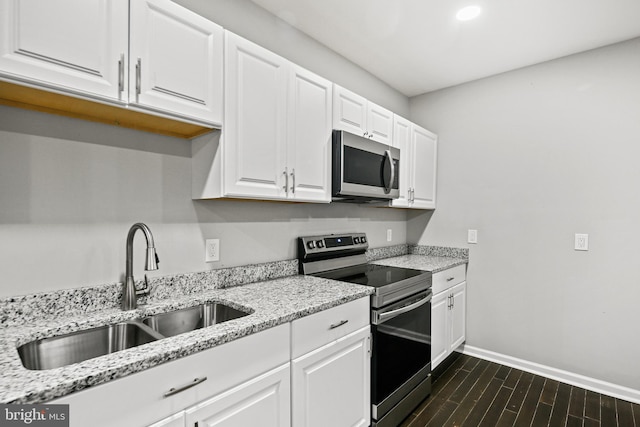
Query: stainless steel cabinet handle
{"points": [[121, 73], [285, 187], [193, 383], [453, 301], [337, 325], [450, 279], [293, 181], [138, 78]]}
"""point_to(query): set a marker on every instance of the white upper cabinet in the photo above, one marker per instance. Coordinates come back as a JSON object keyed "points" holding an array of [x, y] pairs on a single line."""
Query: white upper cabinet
{"points": [[275, 144], [78, 46], [425, 168], [176, 58], [418, 165], [353, 113], [309, 136], [254, 134], [151, 55]]}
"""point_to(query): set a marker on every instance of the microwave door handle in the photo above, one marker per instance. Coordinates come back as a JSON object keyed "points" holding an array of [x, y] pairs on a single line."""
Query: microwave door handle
{"points": [[388, 187], [381, 318]]}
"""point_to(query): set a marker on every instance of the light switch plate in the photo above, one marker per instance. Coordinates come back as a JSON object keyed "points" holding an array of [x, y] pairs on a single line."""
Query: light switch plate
{"points": [[582, 242], [472, 236], [389, 235]]}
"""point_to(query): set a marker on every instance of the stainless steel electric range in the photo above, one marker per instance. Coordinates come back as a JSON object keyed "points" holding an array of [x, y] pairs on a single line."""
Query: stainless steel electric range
{"points": [[400, 320]]}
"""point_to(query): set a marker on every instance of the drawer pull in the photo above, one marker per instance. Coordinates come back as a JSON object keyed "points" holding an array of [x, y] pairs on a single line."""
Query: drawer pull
{"points": [[337, 325], [193, 383], [450, 279]]}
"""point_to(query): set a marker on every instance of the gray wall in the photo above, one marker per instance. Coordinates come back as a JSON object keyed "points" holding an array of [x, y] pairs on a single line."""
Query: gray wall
{"points": [[529, 158], [70, 190]]}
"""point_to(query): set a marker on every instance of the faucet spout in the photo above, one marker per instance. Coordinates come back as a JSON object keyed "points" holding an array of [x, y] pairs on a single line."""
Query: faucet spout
{"points": [[129, 295]]}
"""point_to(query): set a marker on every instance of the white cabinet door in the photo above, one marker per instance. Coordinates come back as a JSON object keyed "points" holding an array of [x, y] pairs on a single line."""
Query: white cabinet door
{"points": [[349, 111], [176, 61], [440, 328], [379, 123], [458, 314], [331, 385], [402, 140], [353, 113], [425, 155], [309, 136], [263, 401], [72, 45], [255, 127], [176, 420]]}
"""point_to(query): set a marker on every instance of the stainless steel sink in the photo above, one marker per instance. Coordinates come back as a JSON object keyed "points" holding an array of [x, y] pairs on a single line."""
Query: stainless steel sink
{"points": [[192, 318], [54, 352]]}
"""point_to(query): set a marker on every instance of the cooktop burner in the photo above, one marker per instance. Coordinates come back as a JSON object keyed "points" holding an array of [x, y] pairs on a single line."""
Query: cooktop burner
{"points": [[342, 257]]}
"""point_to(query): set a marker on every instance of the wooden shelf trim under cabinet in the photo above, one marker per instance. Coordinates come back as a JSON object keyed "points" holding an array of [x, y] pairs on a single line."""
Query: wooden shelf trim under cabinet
{"points": [[30, 98]]}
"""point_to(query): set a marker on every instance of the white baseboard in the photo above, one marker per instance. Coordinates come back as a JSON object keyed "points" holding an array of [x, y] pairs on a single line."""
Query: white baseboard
{"points": [[598, 386]]}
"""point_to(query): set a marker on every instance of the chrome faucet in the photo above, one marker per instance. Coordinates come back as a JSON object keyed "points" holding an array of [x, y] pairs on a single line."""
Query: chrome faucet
{"points": [[130, 295]]}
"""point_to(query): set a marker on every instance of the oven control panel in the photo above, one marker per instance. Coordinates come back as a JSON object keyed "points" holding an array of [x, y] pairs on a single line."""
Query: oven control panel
{"points": [[331, 243]]}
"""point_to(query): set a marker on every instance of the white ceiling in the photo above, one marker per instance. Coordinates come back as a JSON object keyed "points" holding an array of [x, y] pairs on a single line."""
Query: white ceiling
{"points": [[418, 46]]}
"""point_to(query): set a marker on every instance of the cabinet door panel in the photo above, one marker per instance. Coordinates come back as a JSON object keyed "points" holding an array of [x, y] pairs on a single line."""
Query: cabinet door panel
{"points": [[255, 127], [176, 420], [45, 42], [402, 140], [380, 123], [180, 56], [309, 136], [331, 385], [425, 169], [458, 315], [263, 401], [439, 328], [349, 111]]}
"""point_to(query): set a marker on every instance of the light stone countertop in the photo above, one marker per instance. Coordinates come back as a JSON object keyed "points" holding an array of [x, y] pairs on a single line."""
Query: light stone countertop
{"points": [[271, 303], [430, 263]]}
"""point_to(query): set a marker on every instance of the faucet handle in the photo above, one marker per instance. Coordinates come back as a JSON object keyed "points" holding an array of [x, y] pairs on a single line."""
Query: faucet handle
{"points": [[145, 290]]}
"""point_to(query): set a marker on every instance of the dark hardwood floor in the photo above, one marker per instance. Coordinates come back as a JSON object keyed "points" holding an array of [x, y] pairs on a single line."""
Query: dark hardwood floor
{"points": [[472, 392]]}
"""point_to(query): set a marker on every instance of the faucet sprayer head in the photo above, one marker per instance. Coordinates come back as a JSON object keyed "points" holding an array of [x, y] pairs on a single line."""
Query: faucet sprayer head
{"points": [[152, 259]]}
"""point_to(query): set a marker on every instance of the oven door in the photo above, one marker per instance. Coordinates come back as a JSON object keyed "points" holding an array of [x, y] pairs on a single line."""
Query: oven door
{"points": [[401, 357]]}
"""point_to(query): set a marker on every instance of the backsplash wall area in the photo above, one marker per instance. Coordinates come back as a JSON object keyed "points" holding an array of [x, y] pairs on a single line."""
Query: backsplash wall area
{"points": [[70, 190]]}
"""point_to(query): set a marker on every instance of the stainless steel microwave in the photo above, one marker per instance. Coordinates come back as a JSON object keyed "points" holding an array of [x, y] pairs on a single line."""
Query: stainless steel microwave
{"points": [[363, 171]]}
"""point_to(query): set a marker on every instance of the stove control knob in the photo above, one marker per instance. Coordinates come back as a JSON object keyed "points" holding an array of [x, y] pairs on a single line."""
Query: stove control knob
{"points": [[320, 243], [363, 239], [356, 240], [311, 244]]}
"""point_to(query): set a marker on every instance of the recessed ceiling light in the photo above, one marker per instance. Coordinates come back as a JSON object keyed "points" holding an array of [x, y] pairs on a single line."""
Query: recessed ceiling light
{"points": [[468, 13]]}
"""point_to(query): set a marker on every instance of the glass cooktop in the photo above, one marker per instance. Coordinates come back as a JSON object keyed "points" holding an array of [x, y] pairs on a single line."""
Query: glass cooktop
{"points": [[373, 275]]}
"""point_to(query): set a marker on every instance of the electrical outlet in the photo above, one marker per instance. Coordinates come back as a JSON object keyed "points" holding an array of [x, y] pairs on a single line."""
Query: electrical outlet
{"points": [[389, 234], [212, 250], [472, 236], [582, 242]]}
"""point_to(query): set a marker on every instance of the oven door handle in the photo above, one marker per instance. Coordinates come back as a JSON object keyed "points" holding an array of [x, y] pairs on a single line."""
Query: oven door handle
{"points": [[383, 317]]}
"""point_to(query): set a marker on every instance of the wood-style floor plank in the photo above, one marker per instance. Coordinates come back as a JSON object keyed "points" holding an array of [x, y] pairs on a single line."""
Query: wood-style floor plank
{"points": [[592, 405], [625, 413], [560, 406], [471, 392]]}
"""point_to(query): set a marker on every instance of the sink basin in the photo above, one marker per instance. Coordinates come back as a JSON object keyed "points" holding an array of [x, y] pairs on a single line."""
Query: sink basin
{"points": [[192, 318], [54, 352], [63, 350]]}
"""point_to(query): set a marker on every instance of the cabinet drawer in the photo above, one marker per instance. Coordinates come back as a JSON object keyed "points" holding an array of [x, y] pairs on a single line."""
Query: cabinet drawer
{"points": [[443, 280], [327, 326]]}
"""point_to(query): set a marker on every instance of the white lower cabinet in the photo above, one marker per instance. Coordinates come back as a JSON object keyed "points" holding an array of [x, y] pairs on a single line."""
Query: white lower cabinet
{"points": [[314, 371], [263, 401], [330, 385], [448, 313], [331, 367]]}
